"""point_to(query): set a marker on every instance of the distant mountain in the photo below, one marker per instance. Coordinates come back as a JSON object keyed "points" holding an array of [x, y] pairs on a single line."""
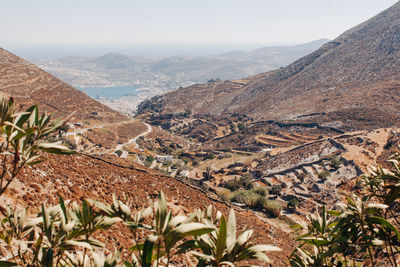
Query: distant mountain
{"points": [[172, 72], [115, 61], [235, 64], [353, 80]]}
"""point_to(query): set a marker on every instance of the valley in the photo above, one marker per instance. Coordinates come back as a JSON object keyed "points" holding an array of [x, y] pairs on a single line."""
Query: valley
{"points": [[278, 145], [152, 76]]}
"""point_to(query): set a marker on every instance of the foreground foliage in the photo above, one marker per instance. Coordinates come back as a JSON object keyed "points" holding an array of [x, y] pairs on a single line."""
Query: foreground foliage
{"points": [[363, 232], [22, 139], [67, 234]]}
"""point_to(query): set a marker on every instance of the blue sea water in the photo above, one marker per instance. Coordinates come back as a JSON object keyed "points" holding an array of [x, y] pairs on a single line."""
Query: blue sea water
{"points": [[112, 92]]}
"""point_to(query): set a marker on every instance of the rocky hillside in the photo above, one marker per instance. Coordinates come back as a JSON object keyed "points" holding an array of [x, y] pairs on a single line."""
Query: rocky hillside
{"points": [[172, 71], [79, 177], [29, 84], [305, 132], [354, 80], [97, 172]]}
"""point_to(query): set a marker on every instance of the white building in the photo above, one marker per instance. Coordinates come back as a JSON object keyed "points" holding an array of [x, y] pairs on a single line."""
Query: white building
{"points": [[165, 159]]}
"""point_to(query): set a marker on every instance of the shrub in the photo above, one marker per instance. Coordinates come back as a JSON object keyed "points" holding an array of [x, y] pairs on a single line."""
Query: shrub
{"points": [[233, 184], [301, 176], [275, 190], [149, 160], [207, 174], [243, 182], [359, 231], [249, 198], [255, 201], [272, 207], [323, 175], [260, 190], [293, 204], [240, 196], [224, 194], [22, 139], [336, 162], [65, 128], [118, 152], [159, 141], [175, 165], [209, 155]]}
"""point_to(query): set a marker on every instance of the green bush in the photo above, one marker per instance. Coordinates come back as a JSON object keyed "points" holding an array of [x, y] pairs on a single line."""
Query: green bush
{"points": [[255, 201], [323, 175], [175, 165], [293, 204], [209, 155], [272, 207], [195, 162], [224, 194], [243, 182], [23, 138], [275, 190], [148, 161], [233, 185], [65, 128], [301, 176], [360, 233], [260, 190], [248, 197], [240, 196], [336, 162]]}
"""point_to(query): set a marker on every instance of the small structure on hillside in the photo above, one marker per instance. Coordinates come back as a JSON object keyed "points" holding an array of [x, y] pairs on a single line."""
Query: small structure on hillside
{"points": [[184, 173], [165, 159]]}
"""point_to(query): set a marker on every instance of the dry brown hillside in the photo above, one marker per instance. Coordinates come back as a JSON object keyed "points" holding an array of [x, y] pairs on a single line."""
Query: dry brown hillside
{"points": [[78, 177], [353, 79], [29, 84], [101, 130]]}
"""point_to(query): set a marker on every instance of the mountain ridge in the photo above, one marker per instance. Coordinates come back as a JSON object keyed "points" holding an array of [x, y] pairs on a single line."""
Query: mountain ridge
{"points": [[357, 71]]}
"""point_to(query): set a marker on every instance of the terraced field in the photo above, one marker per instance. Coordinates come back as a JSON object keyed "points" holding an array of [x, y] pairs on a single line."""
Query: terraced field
{"points": [[285, 139]]}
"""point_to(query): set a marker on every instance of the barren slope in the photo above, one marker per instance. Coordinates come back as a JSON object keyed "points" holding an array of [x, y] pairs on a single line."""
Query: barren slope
{"points": [[78, 177], [29, 84], [354, 79], [98, 177]]}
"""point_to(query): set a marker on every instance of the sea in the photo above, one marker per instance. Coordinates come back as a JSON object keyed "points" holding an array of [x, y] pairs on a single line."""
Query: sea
{"points": [[111, 92]]}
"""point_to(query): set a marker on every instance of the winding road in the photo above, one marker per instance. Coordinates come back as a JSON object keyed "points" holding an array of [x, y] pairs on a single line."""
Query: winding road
{"points": [[132, 141], [120, 147]]}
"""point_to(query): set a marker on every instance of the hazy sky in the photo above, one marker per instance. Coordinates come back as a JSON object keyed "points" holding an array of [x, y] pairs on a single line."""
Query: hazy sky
{"points": [[87, 22]]}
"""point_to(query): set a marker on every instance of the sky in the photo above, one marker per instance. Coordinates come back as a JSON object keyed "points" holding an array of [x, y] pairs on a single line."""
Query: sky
{"points": [[35, 24]]}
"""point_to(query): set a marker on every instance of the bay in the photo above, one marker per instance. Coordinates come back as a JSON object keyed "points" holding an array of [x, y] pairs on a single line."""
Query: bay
{"points": [[110, 92]]}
